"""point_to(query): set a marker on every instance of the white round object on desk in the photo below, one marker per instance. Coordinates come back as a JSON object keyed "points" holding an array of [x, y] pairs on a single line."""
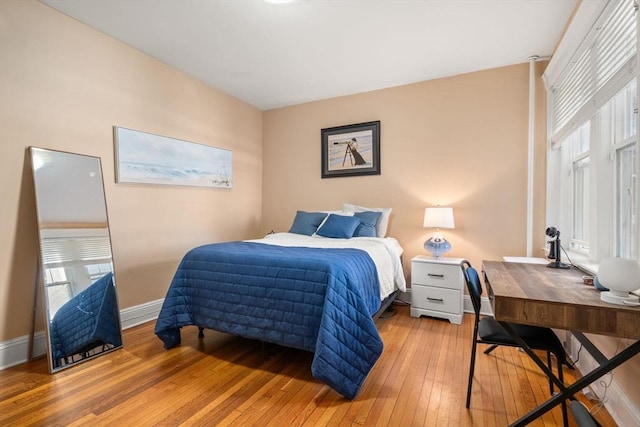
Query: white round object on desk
{"points": [[620, 276]]}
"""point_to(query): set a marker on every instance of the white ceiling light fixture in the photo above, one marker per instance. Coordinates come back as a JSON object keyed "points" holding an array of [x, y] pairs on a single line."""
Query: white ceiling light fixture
{"points": [[279, 1]]}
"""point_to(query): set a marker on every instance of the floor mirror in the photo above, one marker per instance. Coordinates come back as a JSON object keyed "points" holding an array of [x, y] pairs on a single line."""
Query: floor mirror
{"points": [[76, 280]]}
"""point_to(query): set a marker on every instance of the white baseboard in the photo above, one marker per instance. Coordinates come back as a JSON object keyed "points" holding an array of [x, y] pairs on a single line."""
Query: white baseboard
{"points": [[139, 314], [16, 351], [485, 306], [404, 296], [623, 411]]}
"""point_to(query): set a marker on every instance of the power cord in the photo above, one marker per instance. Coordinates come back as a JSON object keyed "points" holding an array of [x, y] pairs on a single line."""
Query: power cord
{"points": [[572, 363], [601, 401], [578, 355], [567, 255], [604, 399]]}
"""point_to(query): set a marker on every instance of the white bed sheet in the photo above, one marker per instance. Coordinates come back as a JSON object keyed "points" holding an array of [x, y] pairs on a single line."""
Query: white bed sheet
{"points": [[384, 251]]}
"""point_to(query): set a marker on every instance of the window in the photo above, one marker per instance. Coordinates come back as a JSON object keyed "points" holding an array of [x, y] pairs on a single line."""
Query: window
{"points": [[58, 288], [592, 192], [578, 145], [580, 237], [619, 133], [627, 202], [96, 271], [602, 167], [576, 160]]}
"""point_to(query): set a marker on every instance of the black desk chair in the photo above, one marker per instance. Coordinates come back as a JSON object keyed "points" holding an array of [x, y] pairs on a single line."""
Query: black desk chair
{"points": [[487, 330]]}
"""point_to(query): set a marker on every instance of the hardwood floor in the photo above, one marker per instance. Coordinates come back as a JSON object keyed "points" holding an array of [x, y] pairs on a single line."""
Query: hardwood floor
{"points": [[420, 380]]}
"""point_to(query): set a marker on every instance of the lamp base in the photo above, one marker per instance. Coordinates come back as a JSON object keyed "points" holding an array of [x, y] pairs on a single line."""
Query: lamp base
{"points": [[558, 264], [437, 246], [615, 298]]}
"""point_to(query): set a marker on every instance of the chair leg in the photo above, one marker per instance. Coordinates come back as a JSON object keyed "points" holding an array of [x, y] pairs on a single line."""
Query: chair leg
{"points": [[565, 419], [550, 366], [472, 364], [490, 348]]}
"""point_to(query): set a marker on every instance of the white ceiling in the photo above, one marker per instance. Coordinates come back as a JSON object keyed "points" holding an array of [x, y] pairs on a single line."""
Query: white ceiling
{"points": [[272, 55]]}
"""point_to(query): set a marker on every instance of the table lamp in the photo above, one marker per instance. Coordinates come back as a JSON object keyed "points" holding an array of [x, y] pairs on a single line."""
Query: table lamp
{"points": [[620, 276], [438, 217]]}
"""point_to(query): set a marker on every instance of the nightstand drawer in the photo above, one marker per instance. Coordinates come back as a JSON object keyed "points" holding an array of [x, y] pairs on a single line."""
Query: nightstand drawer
{"points": [[438, 299], [440, 275]]}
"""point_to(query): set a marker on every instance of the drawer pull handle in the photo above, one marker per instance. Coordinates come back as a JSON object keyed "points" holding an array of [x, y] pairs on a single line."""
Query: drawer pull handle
{"points": [[435, 275], [435, 299]]}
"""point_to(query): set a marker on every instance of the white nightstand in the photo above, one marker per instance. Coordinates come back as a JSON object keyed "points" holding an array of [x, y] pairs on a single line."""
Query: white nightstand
{"points": [[437, 288]]}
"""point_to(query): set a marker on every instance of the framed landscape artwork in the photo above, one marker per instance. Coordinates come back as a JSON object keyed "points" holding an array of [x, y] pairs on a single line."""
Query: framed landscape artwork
{"points": [[351, 150], [153, 159]]}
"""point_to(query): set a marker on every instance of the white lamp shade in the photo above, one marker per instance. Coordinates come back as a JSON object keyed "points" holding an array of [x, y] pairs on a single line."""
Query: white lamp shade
{"points": [[620, 276], [438, 217]]}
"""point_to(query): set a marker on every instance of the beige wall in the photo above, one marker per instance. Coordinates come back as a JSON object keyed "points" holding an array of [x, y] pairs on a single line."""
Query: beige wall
{"points": [[63, 86], [459, 141]]}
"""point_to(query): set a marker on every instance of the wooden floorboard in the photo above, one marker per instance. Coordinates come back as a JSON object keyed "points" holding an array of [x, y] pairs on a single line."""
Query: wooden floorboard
{"points": [[420, 380]]}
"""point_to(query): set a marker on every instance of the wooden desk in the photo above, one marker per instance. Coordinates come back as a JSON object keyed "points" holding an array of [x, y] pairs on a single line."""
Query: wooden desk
{"points": [[534, 294]]}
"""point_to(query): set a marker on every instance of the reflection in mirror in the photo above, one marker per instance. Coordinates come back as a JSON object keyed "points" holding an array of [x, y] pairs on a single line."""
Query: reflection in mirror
{"points": [[81, 307]]}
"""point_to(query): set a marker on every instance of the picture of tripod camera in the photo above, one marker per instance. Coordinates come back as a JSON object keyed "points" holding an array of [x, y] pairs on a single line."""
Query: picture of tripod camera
{"points": [[351, 150]]}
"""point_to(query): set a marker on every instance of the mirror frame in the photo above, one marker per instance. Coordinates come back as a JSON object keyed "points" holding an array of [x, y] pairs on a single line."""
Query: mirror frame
{"points": [[108, 282]]}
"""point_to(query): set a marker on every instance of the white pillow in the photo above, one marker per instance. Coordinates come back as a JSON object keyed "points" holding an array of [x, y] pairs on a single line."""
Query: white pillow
{"points": [[343, 213], [383, 222]]}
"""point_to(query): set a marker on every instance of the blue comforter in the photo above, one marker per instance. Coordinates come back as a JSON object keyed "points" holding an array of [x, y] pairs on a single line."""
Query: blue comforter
{"points": [[88, 320], [319, 300]]}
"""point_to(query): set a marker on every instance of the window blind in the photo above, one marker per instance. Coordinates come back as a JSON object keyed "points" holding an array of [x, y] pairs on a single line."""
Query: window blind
{"points": [[65, 251], [611, 46], [572, 92], [616, 43]]}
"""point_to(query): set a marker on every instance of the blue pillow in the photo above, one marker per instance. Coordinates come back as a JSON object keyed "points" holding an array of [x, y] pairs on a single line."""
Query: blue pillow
{"points": [[339, 227], [306, 222], [368, 223]]}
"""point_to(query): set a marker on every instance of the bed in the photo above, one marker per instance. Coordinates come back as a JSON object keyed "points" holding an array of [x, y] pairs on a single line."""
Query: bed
{"points": [[305, 291]]}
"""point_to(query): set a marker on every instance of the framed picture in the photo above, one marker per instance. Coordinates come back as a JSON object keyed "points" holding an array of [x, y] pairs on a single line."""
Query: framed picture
{"points": [[153, 159], [351, 150]]}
